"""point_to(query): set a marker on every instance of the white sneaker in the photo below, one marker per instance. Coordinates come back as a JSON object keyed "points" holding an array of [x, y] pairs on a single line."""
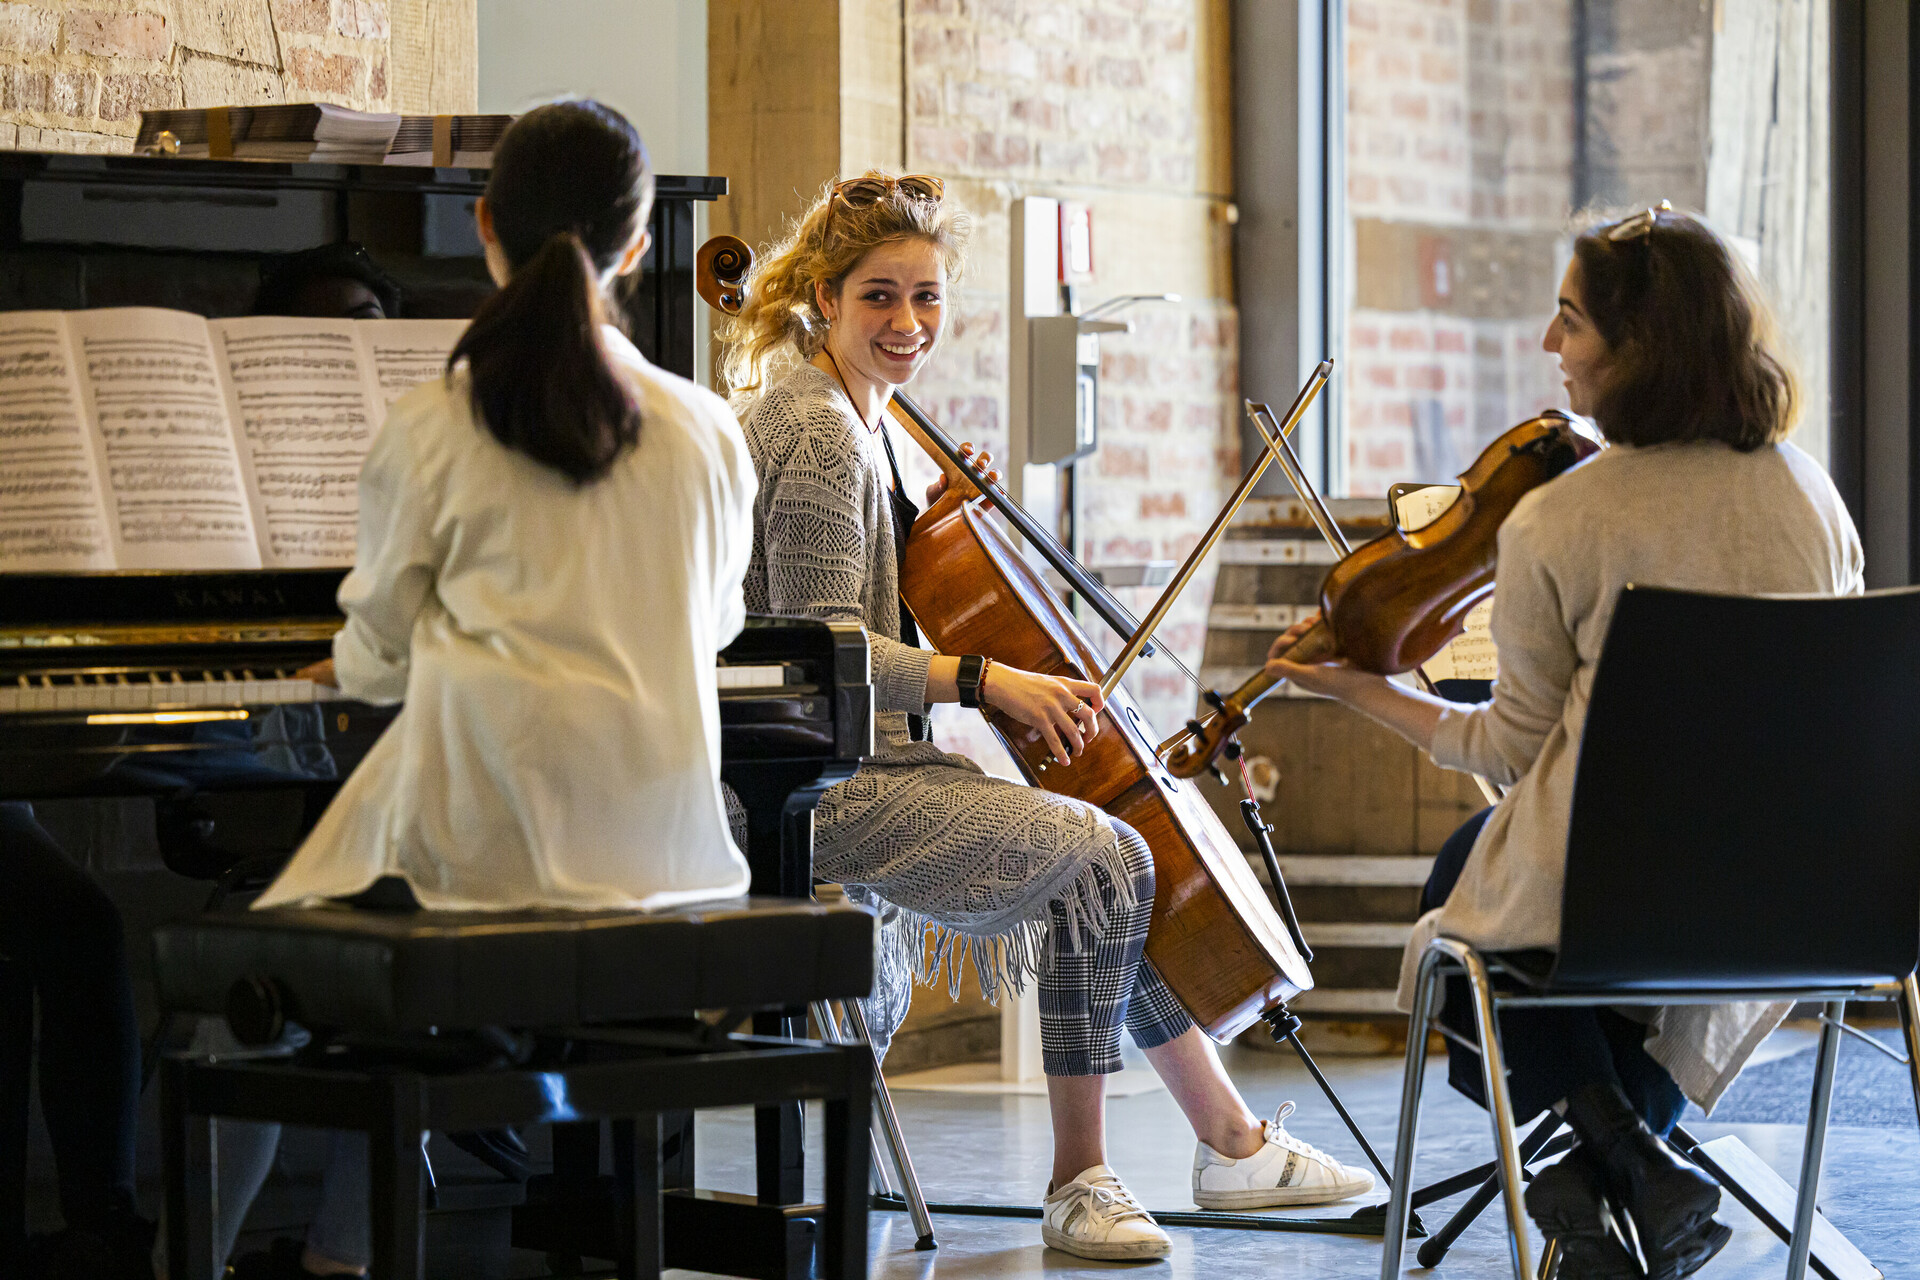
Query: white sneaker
{"points": [[1286, 1171], [1095, 1216]]}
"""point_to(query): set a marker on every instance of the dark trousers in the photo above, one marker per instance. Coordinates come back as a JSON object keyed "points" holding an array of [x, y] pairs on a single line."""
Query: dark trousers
{"points": [[1550, 1052], [61, 939]]}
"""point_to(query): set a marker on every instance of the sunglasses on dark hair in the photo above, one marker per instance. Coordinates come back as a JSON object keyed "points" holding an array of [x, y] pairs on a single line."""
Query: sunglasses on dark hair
{"points": [[861, 193], [1638, 225]]}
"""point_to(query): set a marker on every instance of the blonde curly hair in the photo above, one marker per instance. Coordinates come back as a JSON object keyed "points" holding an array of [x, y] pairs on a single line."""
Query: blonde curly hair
{"points": [[781, 320]]}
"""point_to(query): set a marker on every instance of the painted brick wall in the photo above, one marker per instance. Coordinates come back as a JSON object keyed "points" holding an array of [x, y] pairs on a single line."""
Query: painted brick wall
{"points": [[1121, 103], [75, 74]]}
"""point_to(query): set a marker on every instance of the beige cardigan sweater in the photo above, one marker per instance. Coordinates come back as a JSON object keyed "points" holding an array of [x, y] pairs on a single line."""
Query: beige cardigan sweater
{"points": [[1697, 516]]}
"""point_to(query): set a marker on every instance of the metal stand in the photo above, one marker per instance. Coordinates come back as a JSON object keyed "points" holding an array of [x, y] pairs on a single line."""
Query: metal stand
{"points": [[1284, 1025], [855, 1031]]}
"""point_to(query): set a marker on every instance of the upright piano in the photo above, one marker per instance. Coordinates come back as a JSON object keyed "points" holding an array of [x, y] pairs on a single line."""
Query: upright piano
{"points": [[181, 686]]}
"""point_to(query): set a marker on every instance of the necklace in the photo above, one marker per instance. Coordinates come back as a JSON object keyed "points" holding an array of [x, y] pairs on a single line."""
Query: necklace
{"points": [[841, 378]]}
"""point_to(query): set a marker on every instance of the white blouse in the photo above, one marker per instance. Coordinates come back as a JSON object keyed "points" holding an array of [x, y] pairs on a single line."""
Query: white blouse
{"points": [[554, 645]]}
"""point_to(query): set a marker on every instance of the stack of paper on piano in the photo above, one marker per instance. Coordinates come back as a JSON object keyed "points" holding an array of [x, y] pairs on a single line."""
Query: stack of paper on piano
{"points": [[471, 140], [139, 438], [315, 131]]}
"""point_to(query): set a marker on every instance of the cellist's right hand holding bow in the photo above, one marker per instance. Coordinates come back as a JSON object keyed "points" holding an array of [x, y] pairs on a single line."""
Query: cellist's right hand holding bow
{"points": [[1066, 712]]}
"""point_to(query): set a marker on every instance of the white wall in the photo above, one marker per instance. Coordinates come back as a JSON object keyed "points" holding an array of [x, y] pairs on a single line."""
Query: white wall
{"points": [[646, 58]]}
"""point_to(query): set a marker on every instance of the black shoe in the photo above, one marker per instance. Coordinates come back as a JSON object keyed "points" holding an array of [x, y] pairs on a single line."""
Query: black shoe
{"points": [[280, 1261], [1670, 1201], [68, 1255], [120, 1249], [1698, 1250], [1568, 1202]]}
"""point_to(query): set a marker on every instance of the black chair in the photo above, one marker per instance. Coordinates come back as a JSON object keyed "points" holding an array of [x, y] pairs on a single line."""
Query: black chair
{"points": [[453, 1021], [1746, 826]]}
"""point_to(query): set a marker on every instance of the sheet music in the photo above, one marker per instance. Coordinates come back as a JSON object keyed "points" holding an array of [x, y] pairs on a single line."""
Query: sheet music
{"points": [[51, 517], [306, 404], [1420, 508], [142, 438], [1471, 656], [174, 493], [408, 352]]}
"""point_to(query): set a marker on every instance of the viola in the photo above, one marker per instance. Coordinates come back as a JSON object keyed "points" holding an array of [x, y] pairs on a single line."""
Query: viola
{"points": [[1401, 598], [1214, 936]]}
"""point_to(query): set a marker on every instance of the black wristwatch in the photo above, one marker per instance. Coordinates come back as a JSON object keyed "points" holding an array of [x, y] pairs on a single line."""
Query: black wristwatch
{"points": [[973, 672]]}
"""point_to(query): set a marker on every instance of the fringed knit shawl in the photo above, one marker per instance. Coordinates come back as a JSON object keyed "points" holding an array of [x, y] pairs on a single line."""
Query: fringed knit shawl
{"points": [[961, 865]]}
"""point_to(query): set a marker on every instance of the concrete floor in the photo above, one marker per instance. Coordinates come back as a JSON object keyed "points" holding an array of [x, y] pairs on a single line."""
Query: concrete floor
{"points": [[975, 1149]]}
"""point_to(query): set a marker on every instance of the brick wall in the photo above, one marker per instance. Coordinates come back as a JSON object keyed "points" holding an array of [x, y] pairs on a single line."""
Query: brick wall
{"points": [[1460, 156], [1123, 104], [75, 74]]}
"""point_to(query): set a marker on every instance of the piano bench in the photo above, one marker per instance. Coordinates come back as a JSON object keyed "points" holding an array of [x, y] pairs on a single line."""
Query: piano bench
{"points": [[472, 1021]]}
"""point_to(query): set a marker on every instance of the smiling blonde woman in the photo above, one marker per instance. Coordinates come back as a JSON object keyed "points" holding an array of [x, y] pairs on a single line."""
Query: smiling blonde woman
{"points": [[965, 867]]}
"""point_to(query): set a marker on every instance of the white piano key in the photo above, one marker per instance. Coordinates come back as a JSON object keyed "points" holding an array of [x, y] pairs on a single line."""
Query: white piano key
{"points": [[9, 698], [768, 677]]}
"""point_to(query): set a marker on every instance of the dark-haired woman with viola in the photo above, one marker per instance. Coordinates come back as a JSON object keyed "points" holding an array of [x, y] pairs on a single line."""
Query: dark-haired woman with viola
{"points": [[551, 549], [1665, 342]]}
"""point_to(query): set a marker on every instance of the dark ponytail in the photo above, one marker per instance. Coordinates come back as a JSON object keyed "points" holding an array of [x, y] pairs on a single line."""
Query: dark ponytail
{"points": [[570, 186]]}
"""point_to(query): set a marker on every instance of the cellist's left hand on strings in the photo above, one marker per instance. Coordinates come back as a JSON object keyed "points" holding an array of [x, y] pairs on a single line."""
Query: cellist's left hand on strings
{"points": [[940, 483]]}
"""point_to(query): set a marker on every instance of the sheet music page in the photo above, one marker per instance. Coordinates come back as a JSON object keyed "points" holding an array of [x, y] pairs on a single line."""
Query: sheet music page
{"points": [[303, 394], [1471, 655], [174, 491], [51, 515], [1420, 508], [406, 353]]}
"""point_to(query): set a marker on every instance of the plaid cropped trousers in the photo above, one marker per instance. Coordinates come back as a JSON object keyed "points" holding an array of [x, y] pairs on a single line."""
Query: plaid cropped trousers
{"points": [[1094, 985]]}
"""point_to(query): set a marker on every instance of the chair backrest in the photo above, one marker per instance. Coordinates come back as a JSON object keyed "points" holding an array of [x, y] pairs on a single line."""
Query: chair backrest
{"points": [[1747, 808]]}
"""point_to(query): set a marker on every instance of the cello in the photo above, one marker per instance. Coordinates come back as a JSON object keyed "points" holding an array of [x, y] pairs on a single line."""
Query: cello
{"points": [[1214, 936]]}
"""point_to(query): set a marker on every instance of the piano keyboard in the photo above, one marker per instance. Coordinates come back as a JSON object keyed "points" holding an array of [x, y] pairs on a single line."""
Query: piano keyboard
{"points": [[156, 690], [101, 691]]}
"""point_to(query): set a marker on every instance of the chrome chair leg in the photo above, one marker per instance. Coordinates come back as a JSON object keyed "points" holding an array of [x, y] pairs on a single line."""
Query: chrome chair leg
{"points": [[1400, 1196], [833, 1027], [896, 1141], [1807, 1200], [1493, 1069], [877, 1155], [1910, 1025], [1550, 1260]]}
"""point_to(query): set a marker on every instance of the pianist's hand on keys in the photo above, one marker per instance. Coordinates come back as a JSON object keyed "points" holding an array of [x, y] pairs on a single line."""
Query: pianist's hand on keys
{"points": [[320, 672]]}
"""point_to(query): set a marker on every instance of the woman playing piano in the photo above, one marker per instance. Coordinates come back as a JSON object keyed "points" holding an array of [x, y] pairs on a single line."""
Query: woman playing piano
{"points": [[1665, 343], [552, 541], [1022, 883]]}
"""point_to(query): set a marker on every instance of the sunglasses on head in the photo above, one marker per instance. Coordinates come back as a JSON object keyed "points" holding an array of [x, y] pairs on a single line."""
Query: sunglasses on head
{"points": [[859, 193], [1639, 225]]}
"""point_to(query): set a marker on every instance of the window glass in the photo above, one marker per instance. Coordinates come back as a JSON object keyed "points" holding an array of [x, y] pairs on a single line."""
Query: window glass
{"points": [[1476, 128]]}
